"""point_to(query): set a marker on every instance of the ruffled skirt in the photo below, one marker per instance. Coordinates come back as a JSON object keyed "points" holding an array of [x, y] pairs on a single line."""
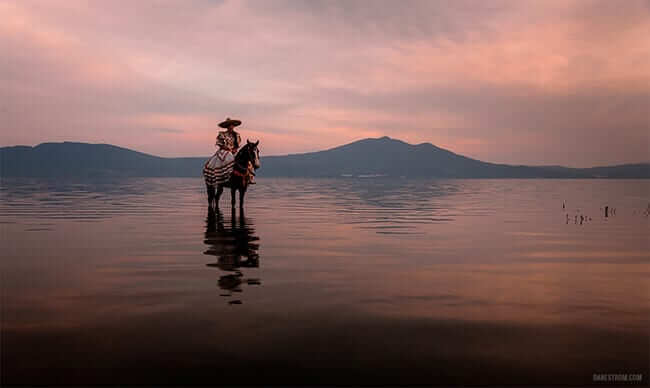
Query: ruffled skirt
{"points": [[218, 168]]}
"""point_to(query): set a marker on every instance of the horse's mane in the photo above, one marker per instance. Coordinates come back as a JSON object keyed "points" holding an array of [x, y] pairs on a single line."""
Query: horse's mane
{"points": [[241, 153]]}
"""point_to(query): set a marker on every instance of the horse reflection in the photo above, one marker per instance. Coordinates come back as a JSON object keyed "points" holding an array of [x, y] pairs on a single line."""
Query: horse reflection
{"points": [[235, 247]]}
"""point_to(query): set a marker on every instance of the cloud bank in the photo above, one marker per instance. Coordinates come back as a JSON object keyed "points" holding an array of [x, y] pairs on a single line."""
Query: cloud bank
{"points": [[552, 82]]}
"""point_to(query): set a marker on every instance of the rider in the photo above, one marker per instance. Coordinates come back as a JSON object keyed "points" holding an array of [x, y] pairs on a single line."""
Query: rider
{"points": [[229, 141]]}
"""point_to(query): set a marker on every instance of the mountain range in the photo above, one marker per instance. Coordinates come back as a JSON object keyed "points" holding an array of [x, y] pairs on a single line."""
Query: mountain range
{"points": [[364, 158]]}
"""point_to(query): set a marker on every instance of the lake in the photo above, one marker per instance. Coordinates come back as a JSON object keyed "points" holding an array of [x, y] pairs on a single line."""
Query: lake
{"points": [[371, 281]]}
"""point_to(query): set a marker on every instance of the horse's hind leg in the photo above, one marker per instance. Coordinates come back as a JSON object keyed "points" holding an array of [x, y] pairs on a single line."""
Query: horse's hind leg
{"points": [[232, 196], [210, 195], [219, 192]]}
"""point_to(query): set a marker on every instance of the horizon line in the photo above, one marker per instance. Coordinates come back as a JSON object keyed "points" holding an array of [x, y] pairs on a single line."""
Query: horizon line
{"points": [[328, 149]]}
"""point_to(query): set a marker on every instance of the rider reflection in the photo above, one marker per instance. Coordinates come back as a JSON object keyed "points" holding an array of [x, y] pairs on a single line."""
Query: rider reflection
{"points": [[235, 247]]}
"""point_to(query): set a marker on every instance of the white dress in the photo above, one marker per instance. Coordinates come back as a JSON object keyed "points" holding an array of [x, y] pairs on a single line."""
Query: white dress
{"points": [[218, 168]]}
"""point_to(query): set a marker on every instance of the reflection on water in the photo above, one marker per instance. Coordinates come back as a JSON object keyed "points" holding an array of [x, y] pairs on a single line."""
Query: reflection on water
{"points": [[235, 247], [367, 281]]}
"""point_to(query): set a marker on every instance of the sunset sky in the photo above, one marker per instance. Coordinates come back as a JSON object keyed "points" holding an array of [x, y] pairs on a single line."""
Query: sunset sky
{"points": [[530, 82]]}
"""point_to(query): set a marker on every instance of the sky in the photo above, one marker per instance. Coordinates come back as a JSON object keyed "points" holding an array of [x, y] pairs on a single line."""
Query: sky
{"points": [[520, 82]]}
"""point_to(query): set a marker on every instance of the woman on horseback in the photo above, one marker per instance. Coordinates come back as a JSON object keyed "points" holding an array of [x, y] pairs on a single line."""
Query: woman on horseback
{"points": [[230, 166], [221, 163]]}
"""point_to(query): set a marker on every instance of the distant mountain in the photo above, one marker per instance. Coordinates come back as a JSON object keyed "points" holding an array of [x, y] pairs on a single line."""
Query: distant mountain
{"points": [[90, 161], [391, 157], [368, 157]]}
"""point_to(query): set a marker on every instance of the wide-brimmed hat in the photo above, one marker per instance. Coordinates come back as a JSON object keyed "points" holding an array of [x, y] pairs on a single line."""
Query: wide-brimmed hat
{"points": [[228, 122]]}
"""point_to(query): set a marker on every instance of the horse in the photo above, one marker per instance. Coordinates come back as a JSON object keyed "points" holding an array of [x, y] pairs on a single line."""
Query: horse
{"points": [[238, 181]]}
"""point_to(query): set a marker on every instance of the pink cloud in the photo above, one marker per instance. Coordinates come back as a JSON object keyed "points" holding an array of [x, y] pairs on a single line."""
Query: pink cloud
{"points": [[541, 78]]}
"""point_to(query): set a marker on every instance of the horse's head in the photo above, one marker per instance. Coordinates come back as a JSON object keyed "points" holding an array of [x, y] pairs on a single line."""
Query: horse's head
{"points": [[253, 153]]}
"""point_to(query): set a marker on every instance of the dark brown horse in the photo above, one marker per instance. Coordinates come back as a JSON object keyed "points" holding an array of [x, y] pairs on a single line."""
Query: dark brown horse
{"points": [[239, 178]]}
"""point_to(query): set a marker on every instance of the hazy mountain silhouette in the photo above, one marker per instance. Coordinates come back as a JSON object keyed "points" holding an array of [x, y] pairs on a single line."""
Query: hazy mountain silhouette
{"points": [[90, 160], [386, 156], [382, 156]]}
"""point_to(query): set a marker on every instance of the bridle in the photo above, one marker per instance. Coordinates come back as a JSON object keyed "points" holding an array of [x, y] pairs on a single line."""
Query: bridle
{"points": [[239, 169]]}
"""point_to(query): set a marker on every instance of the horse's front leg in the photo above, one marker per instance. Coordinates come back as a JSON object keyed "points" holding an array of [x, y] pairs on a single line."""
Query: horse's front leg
{"points": [[242, 192], [232, 196]]}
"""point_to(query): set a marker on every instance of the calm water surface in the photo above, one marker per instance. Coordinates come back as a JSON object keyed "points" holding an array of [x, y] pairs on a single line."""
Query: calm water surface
{"points": [[323, 281]]}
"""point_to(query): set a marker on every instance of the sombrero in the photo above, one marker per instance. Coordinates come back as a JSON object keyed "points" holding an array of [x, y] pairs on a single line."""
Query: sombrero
{"points": [[228, 122]]}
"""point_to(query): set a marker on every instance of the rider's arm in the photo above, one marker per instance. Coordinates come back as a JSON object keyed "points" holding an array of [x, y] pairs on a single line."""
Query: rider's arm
{"points": [[237, 141], [220, 140]]}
